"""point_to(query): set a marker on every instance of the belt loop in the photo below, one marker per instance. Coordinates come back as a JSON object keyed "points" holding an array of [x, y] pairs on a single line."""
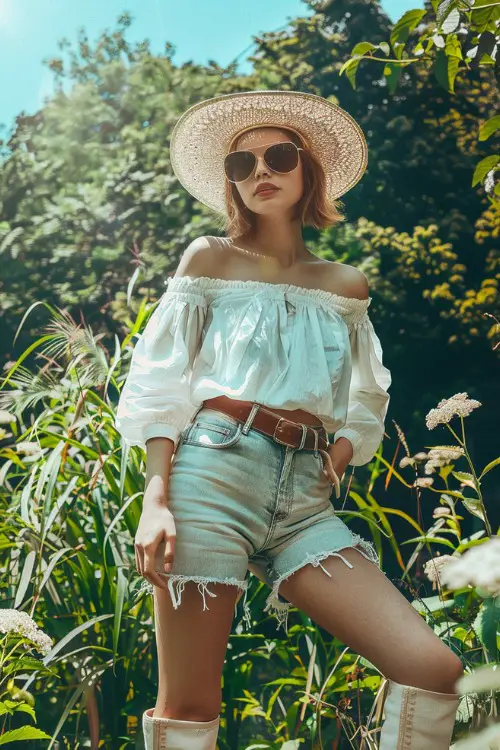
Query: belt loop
{"points": [[316, 437], [253, 411], [304, 435]]}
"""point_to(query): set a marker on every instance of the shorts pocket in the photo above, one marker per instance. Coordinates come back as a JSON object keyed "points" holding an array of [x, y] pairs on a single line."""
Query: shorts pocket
{"points": [[213, 429]]}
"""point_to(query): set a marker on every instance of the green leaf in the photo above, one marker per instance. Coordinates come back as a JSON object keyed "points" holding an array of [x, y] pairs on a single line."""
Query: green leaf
{"points": [[489, 467], [483, 167], [363, 47], [451, 22], [430, 539], [351, 67], [482, 17], [22, 734], [486, 624], [392, 73], [444, 8], [487, 129], [463, 476], [440, 68], [432, 603], [474, 506], [407, 22]]}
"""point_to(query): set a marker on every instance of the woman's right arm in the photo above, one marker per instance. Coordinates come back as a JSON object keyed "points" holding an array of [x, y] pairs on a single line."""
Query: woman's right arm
{"points": [[156, 531], [155, 404]]}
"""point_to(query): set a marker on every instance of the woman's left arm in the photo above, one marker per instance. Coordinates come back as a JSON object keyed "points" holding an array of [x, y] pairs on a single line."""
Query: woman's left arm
{"points": [[357, 441]]}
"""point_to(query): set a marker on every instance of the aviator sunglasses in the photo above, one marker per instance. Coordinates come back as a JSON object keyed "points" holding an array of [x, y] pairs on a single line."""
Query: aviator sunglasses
{"points": [[280, 157]]}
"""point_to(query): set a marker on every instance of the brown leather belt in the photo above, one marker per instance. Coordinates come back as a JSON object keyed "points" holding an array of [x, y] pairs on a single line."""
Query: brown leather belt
{"points": [[284, 431]]}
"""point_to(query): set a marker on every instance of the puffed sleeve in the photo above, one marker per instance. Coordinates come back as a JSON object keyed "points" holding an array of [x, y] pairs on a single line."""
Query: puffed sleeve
{"points": [[155, 400], [368, 397]]}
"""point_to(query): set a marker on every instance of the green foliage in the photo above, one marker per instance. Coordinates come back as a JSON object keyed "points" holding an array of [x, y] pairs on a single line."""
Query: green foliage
{"points": [[454, 37], [91, 213]]}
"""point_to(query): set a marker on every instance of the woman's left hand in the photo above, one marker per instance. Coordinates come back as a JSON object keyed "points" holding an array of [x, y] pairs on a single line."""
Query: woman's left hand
{"points": [[340, 454]]}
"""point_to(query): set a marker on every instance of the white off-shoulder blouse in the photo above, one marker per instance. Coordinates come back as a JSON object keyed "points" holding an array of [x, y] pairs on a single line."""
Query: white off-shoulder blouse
{"points": [[284, 346]]}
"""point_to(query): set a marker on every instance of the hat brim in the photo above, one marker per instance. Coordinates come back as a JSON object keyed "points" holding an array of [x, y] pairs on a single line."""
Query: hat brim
{"points": [[202, 136]]}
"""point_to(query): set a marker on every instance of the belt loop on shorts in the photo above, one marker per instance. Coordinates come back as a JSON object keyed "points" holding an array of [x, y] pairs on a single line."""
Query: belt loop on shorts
{"points": [[248, 423], [316, 437], [304, 436]]}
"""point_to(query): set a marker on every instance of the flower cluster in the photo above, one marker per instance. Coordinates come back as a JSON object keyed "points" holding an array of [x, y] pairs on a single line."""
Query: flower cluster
{"points": [[459, 405], [479, 566], [442, 456], [13, 621], [423, 482], [433, 567]]}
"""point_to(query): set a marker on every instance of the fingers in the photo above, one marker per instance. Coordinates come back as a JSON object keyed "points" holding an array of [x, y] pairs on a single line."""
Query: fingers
{"points": [[168, 558], [150, 567], [145, 559]]}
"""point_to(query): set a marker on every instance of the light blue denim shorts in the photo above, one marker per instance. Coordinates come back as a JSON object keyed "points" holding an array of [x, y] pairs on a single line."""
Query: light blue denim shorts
{"points": [[245, 504]]}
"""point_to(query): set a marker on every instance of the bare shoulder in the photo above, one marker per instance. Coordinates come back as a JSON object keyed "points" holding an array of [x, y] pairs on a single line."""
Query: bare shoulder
{"points": [[201, 257], [345, 280]]}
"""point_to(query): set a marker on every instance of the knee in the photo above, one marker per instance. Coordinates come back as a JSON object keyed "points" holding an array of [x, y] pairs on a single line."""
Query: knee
{"points": [[443, 672]]}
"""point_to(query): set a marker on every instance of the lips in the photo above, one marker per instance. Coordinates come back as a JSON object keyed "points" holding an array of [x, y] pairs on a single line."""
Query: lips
{"points": [[266, 187]]}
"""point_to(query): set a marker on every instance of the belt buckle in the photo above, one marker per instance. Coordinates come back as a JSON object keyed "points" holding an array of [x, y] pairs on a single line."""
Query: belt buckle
{"points": [[282, 419]]}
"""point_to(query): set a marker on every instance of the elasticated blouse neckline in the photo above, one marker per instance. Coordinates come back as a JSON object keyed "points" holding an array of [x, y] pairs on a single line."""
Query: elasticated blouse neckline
{"points": [[322, 297]]}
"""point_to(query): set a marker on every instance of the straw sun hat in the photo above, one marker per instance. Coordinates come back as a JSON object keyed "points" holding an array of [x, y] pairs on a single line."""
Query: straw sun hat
{"points": [[203, 136]]}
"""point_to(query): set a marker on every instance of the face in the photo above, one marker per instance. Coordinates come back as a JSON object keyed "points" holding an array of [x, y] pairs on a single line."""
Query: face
{"points": [[290, 185]]}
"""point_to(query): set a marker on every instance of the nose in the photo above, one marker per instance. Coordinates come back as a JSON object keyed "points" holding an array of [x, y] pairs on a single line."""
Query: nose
{"points": [[261, 167]]}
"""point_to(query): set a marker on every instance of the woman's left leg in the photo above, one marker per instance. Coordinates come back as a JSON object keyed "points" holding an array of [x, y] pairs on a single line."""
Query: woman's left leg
{"points": [[364, 610]]}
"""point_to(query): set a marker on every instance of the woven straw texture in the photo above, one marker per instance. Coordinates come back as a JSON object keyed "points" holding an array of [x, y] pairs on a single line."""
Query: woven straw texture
{"points": [[203, 134]]}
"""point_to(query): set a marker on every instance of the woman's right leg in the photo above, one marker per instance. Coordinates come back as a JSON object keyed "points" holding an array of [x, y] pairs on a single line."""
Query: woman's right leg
{"points": [[191, 644]]}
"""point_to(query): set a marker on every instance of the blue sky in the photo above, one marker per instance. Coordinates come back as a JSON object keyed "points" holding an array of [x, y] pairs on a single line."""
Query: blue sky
{"points": [[199, 30]]}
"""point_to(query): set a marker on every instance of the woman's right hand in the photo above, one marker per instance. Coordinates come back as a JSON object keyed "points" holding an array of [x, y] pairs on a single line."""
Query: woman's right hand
{"points": [[155, 538]]}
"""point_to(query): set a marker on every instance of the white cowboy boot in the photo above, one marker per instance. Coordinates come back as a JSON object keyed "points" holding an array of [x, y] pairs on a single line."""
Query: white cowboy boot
{"points": [[417, 719], [177, 734]]}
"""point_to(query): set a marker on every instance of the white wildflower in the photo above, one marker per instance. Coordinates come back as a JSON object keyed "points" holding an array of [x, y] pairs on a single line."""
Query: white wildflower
{"points": [[6, 417], [423, 482], [28, 449], [459, 405], [481, 680], [433, 567], [440, 511], [20, 623], [412, 460], [488, 739], [479, 566], [442, 456], [489, 181], [446, 453]]}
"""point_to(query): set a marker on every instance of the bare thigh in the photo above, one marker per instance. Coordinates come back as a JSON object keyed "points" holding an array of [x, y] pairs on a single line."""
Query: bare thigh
{"points": [[364, 610], [191, 644]]}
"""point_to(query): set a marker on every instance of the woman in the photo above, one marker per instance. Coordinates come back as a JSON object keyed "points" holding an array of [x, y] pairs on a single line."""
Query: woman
{"points": [[258, 353]]}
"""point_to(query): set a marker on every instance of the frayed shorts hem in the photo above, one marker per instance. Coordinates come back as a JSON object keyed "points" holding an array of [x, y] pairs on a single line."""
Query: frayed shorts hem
{"points": [[274, 604], [280, 609]]}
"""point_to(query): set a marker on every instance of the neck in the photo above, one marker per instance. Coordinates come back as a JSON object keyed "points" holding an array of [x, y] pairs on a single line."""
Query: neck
{"points": [[279, 238]]}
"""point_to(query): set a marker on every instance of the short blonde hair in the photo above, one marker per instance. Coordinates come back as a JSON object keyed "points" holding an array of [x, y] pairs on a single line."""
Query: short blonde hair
{"points": [[314, 207]]}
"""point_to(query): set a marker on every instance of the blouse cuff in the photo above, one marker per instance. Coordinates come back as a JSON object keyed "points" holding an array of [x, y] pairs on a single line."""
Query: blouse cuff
{"points": [[161, 429], [354, 437]]}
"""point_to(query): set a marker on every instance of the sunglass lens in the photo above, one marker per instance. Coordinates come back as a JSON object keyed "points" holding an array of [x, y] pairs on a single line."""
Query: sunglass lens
{"points": [[238, 165], [282, 157]]}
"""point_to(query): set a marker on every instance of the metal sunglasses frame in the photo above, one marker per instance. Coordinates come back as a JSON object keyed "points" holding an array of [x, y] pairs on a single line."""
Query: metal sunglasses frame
{"points": [[256, 148]]}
